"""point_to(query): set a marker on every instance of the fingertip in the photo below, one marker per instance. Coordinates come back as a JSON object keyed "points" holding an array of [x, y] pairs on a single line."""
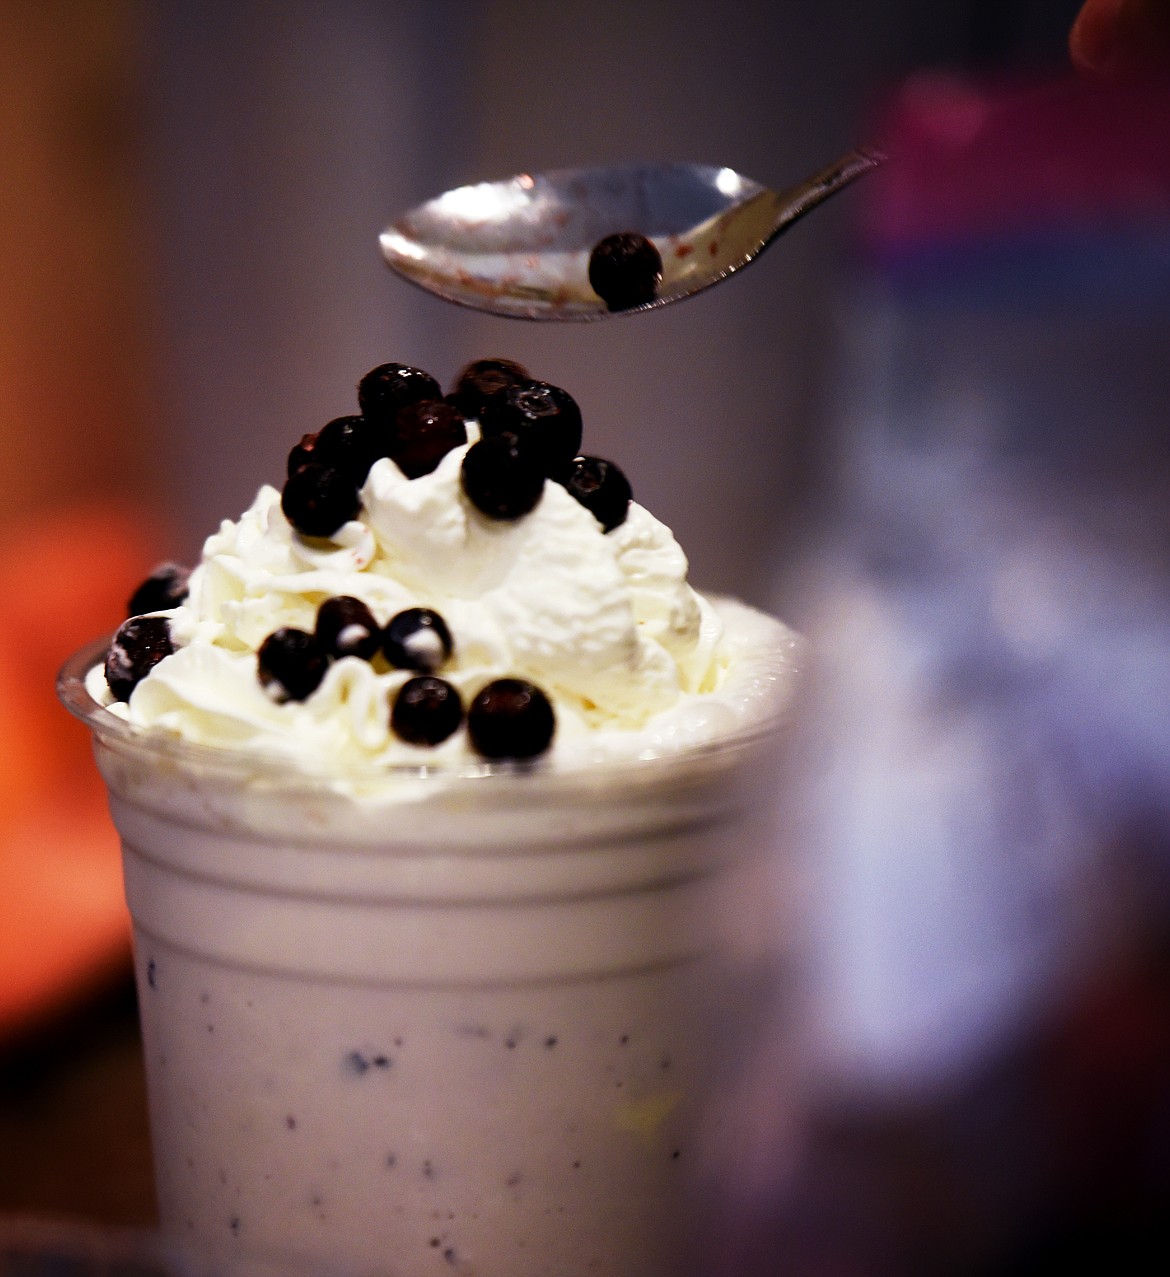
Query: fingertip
{"points": [[1092, 41]]}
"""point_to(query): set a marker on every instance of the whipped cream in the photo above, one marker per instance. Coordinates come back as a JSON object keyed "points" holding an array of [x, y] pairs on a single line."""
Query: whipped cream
{"points": [[634, 661]]}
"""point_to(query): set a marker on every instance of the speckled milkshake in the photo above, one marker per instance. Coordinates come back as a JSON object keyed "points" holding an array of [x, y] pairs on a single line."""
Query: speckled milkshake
{"points": [[473, 1030], [416, 1005]]}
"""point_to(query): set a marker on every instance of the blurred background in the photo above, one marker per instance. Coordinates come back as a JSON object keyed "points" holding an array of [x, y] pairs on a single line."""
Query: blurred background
{"points": [[929, 429]]}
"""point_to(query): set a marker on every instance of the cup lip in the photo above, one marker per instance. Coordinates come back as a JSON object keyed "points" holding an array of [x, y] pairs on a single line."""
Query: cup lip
{"points": [[645, 766]]}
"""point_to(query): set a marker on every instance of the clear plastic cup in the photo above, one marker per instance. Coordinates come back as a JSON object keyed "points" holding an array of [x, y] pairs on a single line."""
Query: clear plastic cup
{"points": [[438, 1020]]}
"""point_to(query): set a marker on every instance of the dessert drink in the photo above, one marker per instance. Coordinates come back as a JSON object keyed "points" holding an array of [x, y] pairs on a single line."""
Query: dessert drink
{"points": [[444, 806]]}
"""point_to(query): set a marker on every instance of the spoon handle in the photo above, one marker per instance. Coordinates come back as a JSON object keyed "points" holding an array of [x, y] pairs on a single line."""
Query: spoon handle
{"points": [[791, 205]]}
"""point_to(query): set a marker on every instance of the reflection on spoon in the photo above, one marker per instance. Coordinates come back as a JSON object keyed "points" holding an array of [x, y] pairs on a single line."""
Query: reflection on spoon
{"points": [[521, 247]]}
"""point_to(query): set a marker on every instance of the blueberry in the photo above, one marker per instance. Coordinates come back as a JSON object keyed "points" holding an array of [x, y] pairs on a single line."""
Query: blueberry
{"points": [[302, 453], [482, 380], [510, 718], [500, 479], [291, 664], [417, 639], [385, 389], [625, 270], [426, 710], [137, 647], [346, 627], [601, 488], [424, 433], [544, 418], [164, 588], [351, 445], [317, 499]]}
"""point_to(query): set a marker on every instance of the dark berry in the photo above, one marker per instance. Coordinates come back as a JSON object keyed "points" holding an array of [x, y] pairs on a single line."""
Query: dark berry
{"points": [[291, 664], [346, 627], [625, 270], [510, 718], [426, 710], [601, 488], [351, 445], [545, 419], [499, 479], [424, 433], [385, 389], [482, 380], [137, 647], [318, 499], [302, 453], [417, 639], [164, 588]]}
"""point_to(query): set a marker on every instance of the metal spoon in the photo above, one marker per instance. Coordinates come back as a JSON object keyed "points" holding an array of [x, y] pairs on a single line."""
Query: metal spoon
{"points": [[521, 247]]}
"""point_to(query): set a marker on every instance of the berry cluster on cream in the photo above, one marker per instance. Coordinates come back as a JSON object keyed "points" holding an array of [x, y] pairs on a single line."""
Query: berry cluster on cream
{"points": [[435, 569]]}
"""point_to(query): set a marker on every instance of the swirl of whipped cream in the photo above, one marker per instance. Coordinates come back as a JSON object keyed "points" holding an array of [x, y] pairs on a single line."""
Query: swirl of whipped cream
{"points": [[605, 623]]}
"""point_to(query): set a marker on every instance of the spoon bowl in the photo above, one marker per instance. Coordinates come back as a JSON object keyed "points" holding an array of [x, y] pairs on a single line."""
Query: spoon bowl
{"points": [[521, 247]]}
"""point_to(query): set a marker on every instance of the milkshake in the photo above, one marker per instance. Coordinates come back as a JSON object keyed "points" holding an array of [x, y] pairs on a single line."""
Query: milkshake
{"points": [[448, 928]]}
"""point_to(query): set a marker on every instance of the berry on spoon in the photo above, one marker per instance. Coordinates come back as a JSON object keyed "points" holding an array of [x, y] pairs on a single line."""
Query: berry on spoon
{"points": [[625, 270]]}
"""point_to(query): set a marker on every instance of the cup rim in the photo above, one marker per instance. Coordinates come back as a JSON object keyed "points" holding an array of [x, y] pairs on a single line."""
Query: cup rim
{"points": [[647, 765]]}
